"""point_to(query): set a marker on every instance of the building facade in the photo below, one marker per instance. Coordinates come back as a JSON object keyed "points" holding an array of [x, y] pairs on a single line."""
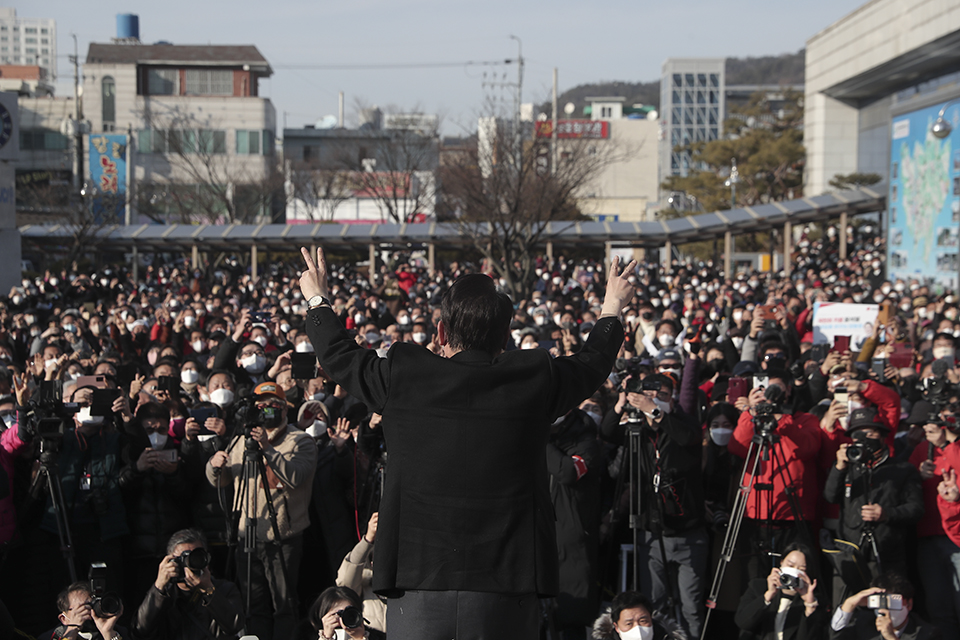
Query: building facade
{"points": [[201, 140], [692, 108], [28, 41]]}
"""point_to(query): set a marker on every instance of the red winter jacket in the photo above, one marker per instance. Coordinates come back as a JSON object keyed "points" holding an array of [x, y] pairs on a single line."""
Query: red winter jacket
{"points": [[794, 463]]}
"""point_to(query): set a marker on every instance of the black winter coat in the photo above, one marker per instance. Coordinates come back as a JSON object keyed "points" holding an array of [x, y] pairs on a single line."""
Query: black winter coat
{"points": [[157, 507]]}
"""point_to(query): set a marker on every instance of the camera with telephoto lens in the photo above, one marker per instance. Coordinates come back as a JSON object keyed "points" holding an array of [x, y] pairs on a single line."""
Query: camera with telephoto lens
{"points": [[46, 414], [196, 560], [889, 601], [790, 579], [105, 604], [765, 419], [350, 617]]}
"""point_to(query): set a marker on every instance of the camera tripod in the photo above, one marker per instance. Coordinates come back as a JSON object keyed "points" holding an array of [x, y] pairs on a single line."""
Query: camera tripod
{"points": [[47, 474], [762, 448], [246, 502]]}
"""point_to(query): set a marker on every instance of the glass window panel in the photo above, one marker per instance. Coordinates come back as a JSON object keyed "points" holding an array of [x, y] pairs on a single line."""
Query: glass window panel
{"points": [[162, 82], [143, 141], [676, 80], [254, 137], [242, 139], [701, 97], [209, 82], [689, 79], [109, 99], [688, 97], [714, 80], [701, 80]]}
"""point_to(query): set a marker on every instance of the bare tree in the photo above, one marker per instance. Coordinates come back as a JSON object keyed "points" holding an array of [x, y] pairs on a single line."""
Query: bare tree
{"points": [[503, 195], [199, 181], [321, 191]]}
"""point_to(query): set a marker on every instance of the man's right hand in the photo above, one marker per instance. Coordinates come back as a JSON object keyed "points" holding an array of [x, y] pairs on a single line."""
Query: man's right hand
{"points": [[859, 599], [313, 281], [167, 573], [371, 533], [948, 486], [218, 460], [842, 457], [619, 290]]}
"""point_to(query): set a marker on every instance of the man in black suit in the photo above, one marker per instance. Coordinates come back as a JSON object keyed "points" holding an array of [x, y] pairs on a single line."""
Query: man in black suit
{"points": [[466, 540]]}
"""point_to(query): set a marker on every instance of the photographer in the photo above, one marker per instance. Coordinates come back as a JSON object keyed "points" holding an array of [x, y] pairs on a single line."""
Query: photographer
{"points": [[883, 611], [878, 497], [338, 609], [671, 493], [186, 602], [785, 603], [771, 521], [290, 458], [78, 619]]}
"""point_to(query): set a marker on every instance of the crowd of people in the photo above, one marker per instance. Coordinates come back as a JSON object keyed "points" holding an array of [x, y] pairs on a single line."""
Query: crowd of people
{"points": [[176, 465]]}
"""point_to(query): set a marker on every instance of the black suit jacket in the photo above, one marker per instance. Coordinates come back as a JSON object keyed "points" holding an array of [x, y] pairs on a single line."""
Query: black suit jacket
{"points": [[756, 620], [466, 503]]}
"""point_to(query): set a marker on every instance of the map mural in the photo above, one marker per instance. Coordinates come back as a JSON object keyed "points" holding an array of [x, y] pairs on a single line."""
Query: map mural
{"points": [[923, 210]]}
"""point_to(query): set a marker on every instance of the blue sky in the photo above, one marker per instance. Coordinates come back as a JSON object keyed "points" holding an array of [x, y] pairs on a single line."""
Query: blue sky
{"points": [[617, 40]]}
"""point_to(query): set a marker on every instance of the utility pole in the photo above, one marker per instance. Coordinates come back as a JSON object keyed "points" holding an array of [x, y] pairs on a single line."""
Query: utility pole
{"points": [[553, 129], [517, 137], [78, 132]]}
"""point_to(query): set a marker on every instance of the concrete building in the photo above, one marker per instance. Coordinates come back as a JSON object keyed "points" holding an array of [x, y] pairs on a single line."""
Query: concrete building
{"points": [[627, 188], [887, 57], [876, 82], [692, 108], [44, 169], [25, 80], [385, 171], [203, 139], [28, 41]]}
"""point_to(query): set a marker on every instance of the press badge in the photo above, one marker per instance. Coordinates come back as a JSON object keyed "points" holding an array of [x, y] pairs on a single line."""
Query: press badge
{"points": [[85, 482]]}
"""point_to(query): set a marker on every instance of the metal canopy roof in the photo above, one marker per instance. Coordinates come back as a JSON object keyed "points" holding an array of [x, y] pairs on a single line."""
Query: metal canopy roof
{"points": [[705, 226]]}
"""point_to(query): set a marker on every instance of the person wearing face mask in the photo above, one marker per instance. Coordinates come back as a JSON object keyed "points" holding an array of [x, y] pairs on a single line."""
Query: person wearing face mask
{"points": [[290, 459], [633, 617], [158, 496], [856, 619], [875, 493], [671, 510], [245, 358], [665, 338], [770, 522], [574, 462], [720, 469], [770, 610]]}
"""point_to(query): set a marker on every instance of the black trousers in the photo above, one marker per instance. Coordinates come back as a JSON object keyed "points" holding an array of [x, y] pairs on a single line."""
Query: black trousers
{"points": [[273, 594], [462, 615]]}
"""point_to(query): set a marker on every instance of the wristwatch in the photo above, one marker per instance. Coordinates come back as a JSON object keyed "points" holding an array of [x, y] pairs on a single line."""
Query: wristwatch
{"points": [[318, 301]]}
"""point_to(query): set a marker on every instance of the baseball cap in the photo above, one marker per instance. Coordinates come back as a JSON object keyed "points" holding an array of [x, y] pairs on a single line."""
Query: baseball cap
{"points": [[270, 389]]}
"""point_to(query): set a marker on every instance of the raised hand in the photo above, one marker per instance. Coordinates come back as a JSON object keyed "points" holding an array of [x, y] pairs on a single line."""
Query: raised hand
{"points": [[619, 289], [313, 281]]}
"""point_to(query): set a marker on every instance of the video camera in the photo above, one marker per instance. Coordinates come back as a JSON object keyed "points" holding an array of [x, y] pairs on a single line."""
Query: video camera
{"points": [[105, 604], [249, 416], [47, 415], [765, 413]]}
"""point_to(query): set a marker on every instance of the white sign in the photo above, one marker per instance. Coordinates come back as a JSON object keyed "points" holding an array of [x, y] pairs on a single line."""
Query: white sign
{"points": [[901, 129], [832, 319]]}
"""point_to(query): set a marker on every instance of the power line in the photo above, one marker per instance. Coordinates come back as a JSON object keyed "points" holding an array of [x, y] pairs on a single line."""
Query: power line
{"points": [[399, 65]]}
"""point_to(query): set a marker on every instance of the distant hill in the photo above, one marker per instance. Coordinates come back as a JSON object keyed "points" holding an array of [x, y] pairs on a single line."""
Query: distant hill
{"points": [[783, 69]]}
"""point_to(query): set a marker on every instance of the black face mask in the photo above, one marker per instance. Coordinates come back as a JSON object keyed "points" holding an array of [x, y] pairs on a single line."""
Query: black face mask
{"points": [[715, 366]]}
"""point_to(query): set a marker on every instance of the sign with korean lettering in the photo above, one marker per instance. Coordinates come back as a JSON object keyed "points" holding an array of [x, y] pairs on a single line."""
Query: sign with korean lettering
{"points": [[832, 319], [108, 174], [595, 129]]}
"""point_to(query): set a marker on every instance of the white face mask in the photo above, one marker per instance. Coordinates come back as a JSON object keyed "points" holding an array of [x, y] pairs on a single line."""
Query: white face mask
{"points": [[189, 376], [721, 436], [637, 633], [197, 346], [663, 406], [157, 440], [944, 352], [221, 397], [304, 347], [84, 417], [665, 340], [253, 363], [50, 364], [285, 327], [419, 338], [737, 316], [737, 342], [898, 617], [318, 428], [190, 322], [260, 340]]}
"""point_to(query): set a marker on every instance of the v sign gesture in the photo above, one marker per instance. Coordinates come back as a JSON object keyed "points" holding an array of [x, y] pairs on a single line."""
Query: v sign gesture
{"points": [[313, 281]]}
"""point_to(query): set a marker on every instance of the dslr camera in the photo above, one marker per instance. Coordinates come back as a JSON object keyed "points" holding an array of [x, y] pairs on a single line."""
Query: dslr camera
{"points": [[196, 560], [636, 385], [105, 604], [790, 579], [350, 617]]}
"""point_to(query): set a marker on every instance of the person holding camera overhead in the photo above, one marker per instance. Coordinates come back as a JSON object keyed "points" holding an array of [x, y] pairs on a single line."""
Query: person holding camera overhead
{"points": [[878, 497], [186, 602], [290, 460]]}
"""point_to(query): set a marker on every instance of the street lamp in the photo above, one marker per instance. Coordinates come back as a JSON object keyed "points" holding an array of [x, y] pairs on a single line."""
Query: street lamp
{"points": [[732, 182], [940, 127]]}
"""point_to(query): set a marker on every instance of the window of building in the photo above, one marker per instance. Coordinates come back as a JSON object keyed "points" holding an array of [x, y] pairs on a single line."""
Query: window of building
{"points": [[267, 142], [30, 60], [3, 28], [714, 80], [29, 29], [209, 82], [606, 112], [248, 143], [677, 80], [45, 51], [108, 94], [44, 30], [211, 141], [163, 82], [30, 40], [42, 140], [688, 78], [701, 97], [701, 79], [30, 50], [44, 40]]}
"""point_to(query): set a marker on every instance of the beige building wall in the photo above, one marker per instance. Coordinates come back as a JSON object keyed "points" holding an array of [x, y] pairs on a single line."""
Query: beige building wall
{"points": [[874, 34], [625, 188]]}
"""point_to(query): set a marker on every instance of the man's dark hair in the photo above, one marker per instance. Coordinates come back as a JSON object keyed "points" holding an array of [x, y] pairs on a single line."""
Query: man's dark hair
{"points": [[629, 600], [664, 380], [768, 345], [185, 536], [475, 315], [63, 599], [153, 410], [325, 601], [893, 582]]}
